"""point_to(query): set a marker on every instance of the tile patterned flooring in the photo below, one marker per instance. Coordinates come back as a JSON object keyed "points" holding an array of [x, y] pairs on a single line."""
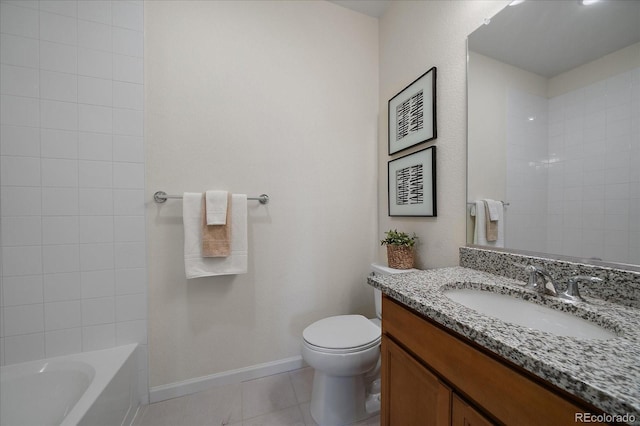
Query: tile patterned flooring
{"points": [[278, 400]]}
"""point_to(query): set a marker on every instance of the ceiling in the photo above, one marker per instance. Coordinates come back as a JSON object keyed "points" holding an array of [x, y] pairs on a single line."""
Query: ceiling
{"points": [[551, 37], [374, 8]]}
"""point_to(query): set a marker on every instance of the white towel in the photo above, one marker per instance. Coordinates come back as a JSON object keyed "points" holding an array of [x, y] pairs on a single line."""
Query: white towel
{"points": [[216, 207], [197, 266], [495, 207], [480, 231]]}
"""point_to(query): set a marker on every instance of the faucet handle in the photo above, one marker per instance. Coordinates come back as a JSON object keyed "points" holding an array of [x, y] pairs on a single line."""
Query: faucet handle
{"points": [[572, 293]]}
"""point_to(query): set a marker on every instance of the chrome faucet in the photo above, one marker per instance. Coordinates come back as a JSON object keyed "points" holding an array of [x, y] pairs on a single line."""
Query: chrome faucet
{"points": [[538, 279], [572, 293]]}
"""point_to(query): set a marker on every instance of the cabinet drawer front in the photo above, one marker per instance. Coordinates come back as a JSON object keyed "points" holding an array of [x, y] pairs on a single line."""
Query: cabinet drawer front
{"points": [[502, 391]]}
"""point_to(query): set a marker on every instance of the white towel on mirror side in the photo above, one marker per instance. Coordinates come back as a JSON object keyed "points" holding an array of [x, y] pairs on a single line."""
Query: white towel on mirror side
{"points": [[197, 266], [480, 231], [495, 209], [216, 207]]}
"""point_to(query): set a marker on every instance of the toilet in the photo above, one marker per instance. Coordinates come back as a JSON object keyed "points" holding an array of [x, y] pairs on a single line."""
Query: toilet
{"points": [[344, 351]]}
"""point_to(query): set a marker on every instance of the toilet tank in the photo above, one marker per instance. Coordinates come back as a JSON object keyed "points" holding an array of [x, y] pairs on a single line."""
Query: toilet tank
{"points": [[377, 269]]}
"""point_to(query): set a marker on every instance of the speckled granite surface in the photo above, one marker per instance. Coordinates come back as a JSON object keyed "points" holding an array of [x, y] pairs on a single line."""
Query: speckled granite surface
{"points": [[618, 285], [605, 373]]}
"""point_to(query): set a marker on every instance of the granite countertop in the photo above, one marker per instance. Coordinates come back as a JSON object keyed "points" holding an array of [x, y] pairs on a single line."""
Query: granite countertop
{"points": [[605, 373]]}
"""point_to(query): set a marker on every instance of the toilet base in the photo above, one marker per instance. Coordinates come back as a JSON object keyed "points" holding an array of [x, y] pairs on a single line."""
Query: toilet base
{"points": [[337, 401]]}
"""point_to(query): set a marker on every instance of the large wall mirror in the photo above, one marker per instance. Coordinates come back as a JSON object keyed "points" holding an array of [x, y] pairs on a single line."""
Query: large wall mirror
{"points": [[554, 128]]}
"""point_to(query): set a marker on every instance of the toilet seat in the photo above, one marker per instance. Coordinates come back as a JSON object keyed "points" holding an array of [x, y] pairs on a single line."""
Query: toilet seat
{"points": [[342, 334]]}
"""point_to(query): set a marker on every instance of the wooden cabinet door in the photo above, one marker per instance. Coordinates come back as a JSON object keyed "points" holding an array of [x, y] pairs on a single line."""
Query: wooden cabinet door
{"points": [[411, 394], [462, 414]]}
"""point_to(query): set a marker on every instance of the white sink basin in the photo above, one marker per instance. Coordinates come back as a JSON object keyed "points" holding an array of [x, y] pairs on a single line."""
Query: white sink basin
{"points": [[527, 314]]}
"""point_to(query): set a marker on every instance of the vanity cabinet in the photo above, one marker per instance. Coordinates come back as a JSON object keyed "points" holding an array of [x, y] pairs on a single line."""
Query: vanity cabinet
{"points": [[433, 377]]}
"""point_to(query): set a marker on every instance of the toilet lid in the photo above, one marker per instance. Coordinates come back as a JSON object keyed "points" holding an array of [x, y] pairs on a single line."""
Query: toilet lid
{"points": [[341, 332]]}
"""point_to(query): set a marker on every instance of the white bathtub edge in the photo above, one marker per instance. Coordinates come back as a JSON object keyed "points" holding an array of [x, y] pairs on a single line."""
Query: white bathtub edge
{"points": [[104, 375], [186, 387]]}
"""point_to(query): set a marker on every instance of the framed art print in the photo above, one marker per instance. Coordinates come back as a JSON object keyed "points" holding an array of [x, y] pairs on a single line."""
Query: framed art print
{"points": [[412, 184], [412, 113]]}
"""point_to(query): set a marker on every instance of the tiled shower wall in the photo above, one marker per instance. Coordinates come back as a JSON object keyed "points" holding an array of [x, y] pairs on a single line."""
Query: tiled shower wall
{"points": [[576, 183], [72, 178]]}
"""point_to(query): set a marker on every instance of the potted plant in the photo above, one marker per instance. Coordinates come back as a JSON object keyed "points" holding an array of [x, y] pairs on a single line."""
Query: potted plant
{"points": [[400, 254]]}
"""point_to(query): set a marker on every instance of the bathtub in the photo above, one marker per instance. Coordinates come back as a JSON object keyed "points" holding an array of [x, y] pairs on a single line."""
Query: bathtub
{"points": [[89, 388]]}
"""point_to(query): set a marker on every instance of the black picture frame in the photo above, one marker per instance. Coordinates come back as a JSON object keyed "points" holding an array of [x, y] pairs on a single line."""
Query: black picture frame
{"points": [[412, 113], [412, 184]]}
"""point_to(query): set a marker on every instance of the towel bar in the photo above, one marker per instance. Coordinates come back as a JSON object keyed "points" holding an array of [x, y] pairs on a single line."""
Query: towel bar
{"points": [[503, 203], [161, 197]]}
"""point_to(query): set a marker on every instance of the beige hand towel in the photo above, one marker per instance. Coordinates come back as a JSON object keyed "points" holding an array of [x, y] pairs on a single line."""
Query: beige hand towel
{"points": [[216, 239], [492, 225]]}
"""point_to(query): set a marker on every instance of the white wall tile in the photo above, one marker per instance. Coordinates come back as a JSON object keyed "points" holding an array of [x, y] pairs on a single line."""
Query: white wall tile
{"points": [[130, 255], [98, 337], [20, 141], [59, 201], [21, 230], [60, 258], [58, 86], [22, 260], [131, 332], [63, 286], [20, 201], [128, 68], [128, 15], [63, 342], [58, 28], [127, 122], [60, 7], [59, 172], [96, 229], [59, 230], [128, 148], [19, 81], [19, 21], [93, 118], [31, 4], [128, 202], [96, 257], [94, 63], [95, 146], [57, 143], [95, 10], [59, 115], [23, 319], [19, 111], [25, 290], [98, 284], [60, 315], [23, 348], [95, 91], [94, 35], [130, 281], [98, 311], [128, 95], [129, 228], [19, 171], [128, 42], [58, 57], [131, 307], [128, 175], [58, 123], [96, 201], [19, 51], [96, 174]]}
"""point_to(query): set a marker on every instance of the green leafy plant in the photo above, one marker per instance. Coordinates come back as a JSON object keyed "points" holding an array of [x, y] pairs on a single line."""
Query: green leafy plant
{"points": [[396, 238]]}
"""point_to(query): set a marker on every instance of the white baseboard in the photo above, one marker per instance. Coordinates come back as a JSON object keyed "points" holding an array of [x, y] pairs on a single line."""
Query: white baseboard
{"points": [[186, 387]]}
